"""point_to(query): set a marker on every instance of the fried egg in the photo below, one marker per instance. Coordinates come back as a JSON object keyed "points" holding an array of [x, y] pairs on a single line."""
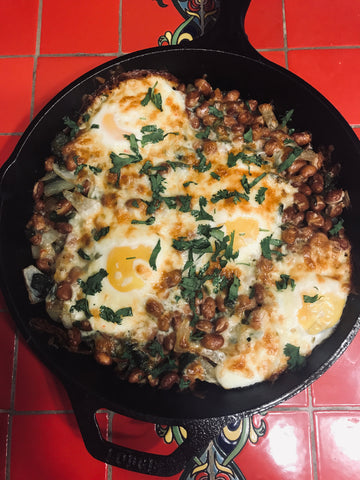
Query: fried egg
{"points": [[177, 232]]}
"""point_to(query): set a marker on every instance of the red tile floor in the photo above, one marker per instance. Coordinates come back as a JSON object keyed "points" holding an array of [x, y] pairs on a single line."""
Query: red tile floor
{"points": [[45, 44]]}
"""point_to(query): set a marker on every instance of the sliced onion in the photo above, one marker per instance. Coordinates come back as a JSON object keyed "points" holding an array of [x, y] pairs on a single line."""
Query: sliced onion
{"points": [[65, 174], [80, 203], [57, 186]]}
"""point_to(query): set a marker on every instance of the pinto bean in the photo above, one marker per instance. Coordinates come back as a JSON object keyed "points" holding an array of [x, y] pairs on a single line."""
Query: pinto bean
{"points": [[169, 380], [36, 239], [334, 210], [317, 203], [212, 341], [136, 375], [233, 108], [63, 207], [172, 278], [164, 321], [289, 235], [232, 96], [103, 358], [204, 326], [296, 166], [208, 308], [192, 98], [314, 219], [259, 293], [217, 95], [203, 86], [169, 341], [210, 147], [308, 171], [194, 120], [327, 225], [302, 138], [317, 183], [252, 104], [220, 302], [153, 307], [305, 189], [292, 215], [44, 264], [209, 120], [270, 146], [63, 227], [229, 121], [244, 302], [301, 202], [221, 325], [202, 110], [334, 196], [64, 291], [74, 336], [49, 164], [38, 221], [38, 190]]}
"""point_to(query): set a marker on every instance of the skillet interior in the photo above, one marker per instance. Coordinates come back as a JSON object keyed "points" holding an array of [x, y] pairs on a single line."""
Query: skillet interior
{"points": [[255, 79]]}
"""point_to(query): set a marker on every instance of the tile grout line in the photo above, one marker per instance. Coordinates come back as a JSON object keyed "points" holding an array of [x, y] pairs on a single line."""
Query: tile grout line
{"points": [[36, 57], [120, 29], [286, 50], [12, 406], [110, 437], [312, 435]]}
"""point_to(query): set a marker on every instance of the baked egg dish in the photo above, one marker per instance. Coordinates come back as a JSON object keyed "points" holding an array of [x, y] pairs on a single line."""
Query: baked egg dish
{"points": [[182, 233]]}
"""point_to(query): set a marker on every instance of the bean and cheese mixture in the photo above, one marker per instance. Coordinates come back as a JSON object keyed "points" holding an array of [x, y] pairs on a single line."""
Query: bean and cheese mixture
{"points": [[183, 233]]}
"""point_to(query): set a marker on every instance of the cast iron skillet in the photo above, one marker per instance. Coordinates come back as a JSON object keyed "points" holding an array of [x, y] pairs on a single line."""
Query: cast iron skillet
{"points": [[228, 59]]}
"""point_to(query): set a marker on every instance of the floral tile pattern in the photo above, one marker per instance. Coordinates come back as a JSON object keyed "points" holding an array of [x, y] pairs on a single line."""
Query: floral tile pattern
{"points": [[45, 45]]}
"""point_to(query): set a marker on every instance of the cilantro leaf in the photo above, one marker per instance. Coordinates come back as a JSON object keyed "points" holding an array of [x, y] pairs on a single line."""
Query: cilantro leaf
{"points": [[309, 299], [233, 292], [266, 247], [287, 117], [115, 317], [337, 227], [285, 281], [224, 194], [202, 166], [248, 136], [93, 284], [215, 111], [102, 232], [202, 214], [154, 254], [203, 133], [82, 305], [148, 221], [155, 348], [215, 175], [290, 159], [83, 255], [73, 126], [260, 196], [153, 134], [153, 97], [295, 359]]}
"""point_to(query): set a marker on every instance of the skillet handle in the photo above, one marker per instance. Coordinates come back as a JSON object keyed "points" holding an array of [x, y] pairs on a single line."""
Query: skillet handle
{"points": [[228, 33], [199, 434]]}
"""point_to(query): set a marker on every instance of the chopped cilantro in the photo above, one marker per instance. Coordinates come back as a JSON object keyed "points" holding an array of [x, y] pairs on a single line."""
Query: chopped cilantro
{"points": [[260, 196], [122, 159], [248, 136], [215, 175], [233, 292], [285, 281], [186, 184], [246, 159], [215, 111], [295, 359], [309, 299], [95, 125], [153, 134], [266, 247], [224, 194], [202, 214], [152, 97], [73, 126], [203, 134], [155, 348], [83, 255], [290, 159], [287, 117], [93, 284], [115, 317], [102, 232], [202, 166], [95, 170], [337, 227], [154, 254], [82, 305], [148, 221]]}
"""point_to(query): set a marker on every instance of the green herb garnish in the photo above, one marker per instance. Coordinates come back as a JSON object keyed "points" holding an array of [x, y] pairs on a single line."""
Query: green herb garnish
{"points": [[102, 232], [154, 254], [295, 360], [285, 281], [115, 317], [93, 284], [153, 97], [82, 305]]}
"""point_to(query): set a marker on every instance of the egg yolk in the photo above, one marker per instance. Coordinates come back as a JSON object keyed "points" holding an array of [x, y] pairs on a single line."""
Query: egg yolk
{"points": [[125, 265], [321, 314], [110, 126], [245, 229]]}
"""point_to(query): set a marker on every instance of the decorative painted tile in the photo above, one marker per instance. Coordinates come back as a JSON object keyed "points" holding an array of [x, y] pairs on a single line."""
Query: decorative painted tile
{"points": [[81, 27], [335, 73], [340, 385], [7, 344], [7, 145], [337, 445], [67, 69], [282, 453], [4, 419], [15, 93], [18, 27], [322, 23], [50, 446], [264, 24], [36, 387], [152, 23]]}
